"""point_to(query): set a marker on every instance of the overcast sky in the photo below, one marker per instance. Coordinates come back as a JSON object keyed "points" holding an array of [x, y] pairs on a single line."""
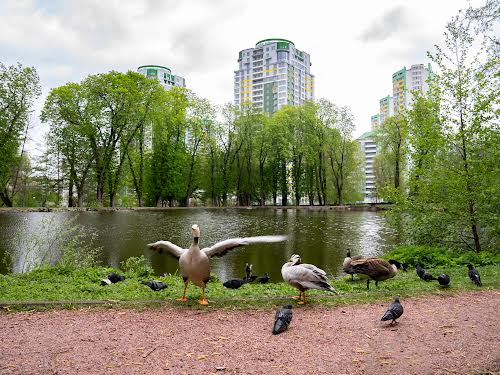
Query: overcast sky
{"points": [[355, 46]]}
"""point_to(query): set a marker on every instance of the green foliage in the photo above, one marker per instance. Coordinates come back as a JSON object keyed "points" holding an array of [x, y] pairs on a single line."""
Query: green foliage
{"points": [[67, 248], [452, 198], [137, 267], [19, 87], [432, 257]]}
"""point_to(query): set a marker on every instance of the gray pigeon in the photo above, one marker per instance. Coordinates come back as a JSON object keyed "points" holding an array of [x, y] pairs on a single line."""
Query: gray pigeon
{"points": [[155, 284], [394, 311], [235, 283], [282, 319], [263, 279], [423, 274], [474, 275], [443, 279], [112, 278]]}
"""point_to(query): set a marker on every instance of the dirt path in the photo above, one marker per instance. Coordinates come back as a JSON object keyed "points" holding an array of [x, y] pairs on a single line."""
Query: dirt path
{"points": [[437, 335]]}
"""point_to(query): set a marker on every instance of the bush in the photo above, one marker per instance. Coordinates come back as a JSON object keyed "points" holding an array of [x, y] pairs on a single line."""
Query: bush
{"points": [[137, 267], [437, 257]]}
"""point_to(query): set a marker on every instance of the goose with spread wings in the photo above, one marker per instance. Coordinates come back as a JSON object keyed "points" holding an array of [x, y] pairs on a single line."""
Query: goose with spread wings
{"points": [[194, 263]]}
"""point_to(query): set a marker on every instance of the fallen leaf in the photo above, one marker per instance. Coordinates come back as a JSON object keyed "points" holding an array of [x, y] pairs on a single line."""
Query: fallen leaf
{"points": [[202, 356]]}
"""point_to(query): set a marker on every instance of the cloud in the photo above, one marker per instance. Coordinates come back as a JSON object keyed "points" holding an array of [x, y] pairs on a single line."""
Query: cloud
{"points": [[390, 23]]}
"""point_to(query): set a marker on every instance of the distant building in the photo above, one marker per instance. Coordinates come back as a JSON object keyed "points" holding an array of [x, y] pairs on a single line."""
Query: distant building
{"points": [[369, 149], [163, 74], [273, 74], [405, 81], [386, 108]]}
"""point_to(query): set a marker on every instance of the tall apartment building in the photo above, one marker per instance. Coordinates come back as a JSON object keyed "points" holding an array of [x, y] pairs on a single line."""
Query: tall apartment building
{"points": [[273, 74], [163, 74], [386, 108], [404, 81], [369, 149]]}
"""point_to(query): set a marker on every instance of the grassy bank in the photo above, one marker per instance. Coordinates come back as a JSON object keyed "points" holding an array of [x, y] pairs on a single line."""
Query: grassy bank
{"points": [[67, 288]]}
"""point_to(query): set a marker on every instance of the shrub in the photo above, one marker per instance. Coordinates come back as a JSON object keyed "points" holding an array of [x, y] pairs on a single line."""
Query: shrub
{"points": [[436, 257], [137, 266]]}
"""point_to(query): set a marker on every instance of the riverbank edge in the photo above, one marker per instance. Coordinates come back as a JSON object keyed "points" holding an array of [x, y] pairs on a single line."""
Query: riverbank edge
{"points": [[229, 303], [355, 207]]}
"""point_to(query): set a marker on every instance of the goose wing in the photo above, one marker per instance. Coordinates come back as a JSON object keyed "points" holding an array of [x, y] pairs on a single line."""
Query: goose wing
{"points": [[221, 248], [172, 249]]}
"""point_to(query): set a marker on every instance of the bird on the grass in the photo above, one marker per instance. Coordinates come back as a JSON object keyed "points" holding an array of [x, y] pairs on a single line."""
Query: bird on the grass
{"points": [[194, 263], [347, 262], [394, 311], [474, 275], [248, 271], [423, 274], [155, 284], [373, 269], [443, 279], [235, 283], [399, 265], [112, 278], [304, 276], [282, 319], [264, 278]]}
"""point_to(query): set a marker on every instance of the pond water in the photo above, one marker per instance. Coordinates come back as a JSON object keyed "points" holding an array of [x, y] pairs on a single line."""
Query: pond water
{"points": [[320, 237]]}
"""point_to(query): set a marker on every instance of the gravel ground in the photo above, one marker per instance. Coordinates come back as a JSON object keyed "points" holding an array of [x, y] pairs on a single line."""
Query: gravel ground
{"points": [[436, 335]]}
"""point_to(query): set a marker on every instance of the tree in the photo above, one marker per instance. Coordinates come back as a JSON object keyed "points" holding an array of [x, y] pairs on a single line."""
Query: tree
{"points": [[165, 164], [327, 113], [200, 116], [19, 87], [454, 138], [342, 152], [391, 137], [121, 106], [68, 112]]}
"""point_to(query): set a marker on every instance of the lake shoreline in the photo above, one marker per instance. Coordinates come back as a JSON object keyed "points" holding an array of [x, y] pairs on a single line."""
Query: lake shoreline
{"points": [[364, 207]]}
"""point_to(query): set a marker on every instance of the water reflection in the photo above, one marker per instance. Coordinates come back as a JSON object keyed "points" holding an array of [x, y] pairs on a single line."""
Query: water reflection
{"points": [[320, 237]]}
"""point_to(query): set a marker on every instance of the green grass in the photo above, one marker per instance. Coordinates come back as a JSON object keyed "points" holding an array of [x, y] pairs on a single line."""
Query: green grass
{"points": [[66, 287]]}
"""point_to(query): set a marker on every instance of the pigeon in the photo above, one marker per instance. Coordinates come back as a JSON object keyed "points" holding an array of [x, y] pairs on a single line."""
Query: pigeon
{"points": [[443, 279], [394, 311], [155, 284], [263, 279], [423, 274], [282, 319], [235, 283], [112, 278], [474, 275]]}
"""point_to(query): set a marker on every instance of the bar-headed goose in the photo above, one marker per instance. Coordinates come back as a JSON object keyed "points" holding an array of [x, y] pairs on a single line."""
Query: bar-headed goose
{"points": [[304, 276], [194, 263]]}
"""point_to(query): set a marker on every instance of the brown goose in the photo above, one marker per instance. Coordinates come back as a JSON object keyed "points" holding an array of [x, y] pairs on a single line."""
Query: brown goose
{"points": [[347, 262], [194, 263], [374, 268]]}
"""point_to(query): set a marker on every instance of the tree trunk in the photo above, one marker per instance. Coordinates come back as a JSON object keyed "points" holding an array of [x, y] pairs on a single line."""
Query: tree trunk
{"points": [[5, 199], [79, 192], [112, 196]]}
